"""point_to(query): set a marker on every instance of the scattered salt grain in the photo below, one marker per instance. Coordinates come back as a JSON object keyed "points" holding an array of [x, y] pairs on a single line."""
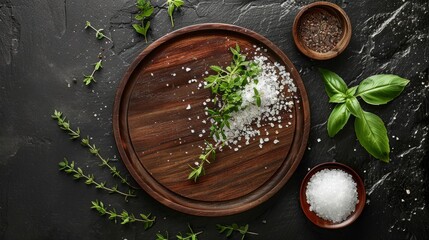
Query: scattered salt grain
{"points": [[319, 140], [276, 141], [332, 194], [188, 69], [188, 107], [408, 191]]}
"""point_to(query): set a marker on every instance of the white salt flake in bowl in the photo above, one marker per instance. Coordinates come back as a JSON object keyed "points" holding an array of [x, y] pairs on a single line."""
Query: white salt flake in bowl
{"points": [[332, 195]]}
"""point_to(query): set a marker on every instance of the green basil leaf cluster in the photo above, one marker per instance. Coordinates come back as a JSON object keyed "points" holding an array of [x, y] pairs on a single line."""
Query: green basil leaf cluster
{"points": [[369, 128]]}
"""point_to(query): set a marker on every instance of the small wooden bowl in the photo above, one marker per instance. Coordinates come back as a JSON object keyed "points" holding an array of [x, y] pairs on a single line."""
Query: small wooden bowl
{"points": [[325, 223], [336, 11]]}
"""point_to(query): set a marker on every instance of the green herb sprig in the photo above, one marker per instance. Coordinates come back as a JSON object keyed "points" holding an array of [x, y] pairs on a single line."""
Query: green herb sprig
{"points": [[208, 153], [145, 11], [226, 86], [98, 32], [229, 229], [124, 216], [189, 235], [64, 124], [369, 128], [78, 173], [88, 79], [173, 5]]}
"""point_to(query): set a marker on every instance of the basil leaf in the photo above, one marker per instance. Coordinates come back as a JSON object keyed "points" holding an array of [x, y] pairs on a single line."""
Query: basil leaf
{"points": [[334, 84], [372, 135], [351, 91], [338, 119], [381, 89], [354, 107], [338, 98]]}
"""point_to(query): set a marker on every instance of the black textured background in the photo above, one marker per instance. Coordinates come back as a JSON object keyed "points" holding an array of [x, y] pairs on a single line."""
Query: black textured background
{"points": [[44, 51]]}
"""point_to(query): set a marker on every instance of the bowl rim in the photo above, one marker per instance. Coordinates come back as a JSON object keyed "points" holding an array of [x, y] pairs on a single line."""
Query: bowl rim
{"points": [[325, 223], [341, 45]]}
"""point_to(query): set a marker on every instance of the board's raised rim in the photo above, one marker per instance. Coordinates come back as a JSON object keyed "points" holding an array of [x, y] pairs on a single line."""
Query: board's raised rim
{"points": [[210, 208]]}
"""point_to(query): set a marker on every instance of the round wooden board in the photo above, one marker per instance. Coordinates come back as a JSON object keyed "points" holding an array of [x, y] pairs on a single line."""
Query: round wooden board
{"points": [[158, 136]]}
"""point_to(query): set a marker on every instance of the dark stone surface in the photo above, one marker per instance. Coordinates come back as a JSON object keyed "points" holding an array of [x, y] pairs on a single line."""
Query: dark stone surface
{"points": [[44, 50]]}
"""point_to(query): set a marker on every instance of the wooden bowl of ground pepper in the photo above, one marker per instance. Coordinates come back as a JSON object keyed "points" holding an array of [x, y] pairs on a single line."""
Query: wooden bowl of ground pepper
{"points": [[321, 30]]}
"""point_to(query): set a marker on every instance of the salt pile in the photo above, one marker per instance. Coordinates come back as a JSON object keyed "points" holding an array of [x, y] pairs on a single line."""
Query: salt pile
{"points": [[332, 194], [245, 124]]}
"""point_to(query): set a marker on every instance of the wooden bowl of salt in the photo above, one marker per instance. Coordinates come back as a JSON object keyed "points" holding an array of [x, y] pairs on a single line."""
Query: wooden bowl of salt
{"points": [[332, 195]]}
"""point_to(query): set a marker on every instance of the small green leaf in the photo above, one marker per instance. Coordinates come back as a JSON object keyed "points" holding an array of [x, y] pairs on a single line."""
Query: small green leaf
{"points": [[148, 11], [98, 65], [372, 135], [338, 98], [338, 119], [381, 89], [216, 69], [354, 107], [334, 84], [351, 91], [139, 17]]}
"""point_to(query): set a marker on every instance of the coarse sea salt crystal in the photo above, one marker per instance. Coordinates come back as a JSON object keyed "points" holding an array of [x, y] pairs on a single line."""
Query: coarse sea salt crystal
{"points": [[332, 194]]}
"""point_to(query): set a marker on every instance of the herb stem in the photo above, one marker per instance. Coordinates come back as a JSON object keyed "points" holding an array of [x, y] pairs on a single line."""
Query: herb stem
{"points": [[105, 162], [98, 32], [65, 125], [90, 180], [124, 216]]}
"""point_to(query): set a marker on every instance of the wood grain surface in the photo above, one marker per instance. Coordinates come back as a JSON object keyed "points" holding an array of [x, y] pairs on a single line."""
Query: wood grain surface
{"points": [[158, 137]]}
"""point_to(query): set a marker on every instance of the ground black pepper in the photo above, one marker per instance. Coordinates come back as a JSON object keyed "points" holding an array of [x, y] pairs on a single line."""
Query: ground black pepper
{"points": [[319, 30]]}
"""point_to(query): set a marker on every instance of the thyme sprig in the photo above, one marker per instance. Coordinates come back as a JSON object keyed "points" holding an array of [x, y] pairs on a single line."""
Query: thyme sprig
{"points": [[189, 235], [78, 173], [75, 134], [208, 153], [98, 32], [226, 86], [229, 229], [88, 79], [64, 124], [145, 12], [124, 216], [173, 5]]}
